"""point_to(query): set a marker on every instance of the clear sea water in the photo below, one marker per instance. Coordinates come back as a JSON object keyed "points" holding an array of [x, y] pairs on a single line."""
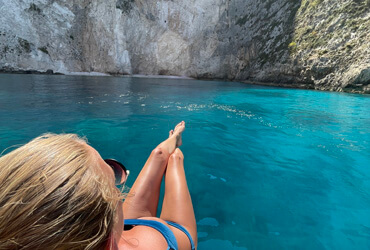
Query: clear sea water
{"points": [[268, 168]]}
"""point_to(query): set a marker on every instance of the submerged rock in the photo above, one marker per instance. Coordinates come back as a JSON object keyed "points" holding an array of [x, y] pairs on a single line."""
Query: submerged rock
{"points": [[321, 44]]}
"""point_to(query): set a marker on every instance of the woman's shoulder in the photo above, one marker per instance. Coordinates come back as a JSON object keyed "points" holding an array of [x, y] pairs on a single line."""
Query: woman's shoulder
{"points": [[143, 237]]}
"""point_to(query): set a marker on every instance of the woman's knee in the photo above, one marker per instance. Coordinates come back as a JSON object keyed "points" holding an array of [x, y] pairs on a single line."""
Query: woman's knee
{"points": [[177, 155], [160, 153]]}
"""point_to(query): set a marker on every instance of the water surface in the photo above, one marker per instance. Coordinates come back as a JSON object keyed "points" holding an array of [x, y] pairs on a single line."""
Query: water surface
{"points": [[267, 168]]}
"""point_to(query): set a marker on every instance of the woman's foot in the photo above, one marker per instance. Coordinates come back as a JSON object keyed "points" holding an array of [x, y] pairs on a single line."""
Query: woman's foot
{"points": [[177, 132]]}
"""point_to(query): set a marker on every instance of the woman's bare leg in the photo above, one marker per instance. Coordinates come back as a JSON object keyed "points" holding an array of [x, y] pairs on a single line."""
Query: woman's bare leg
{"points": [[177, 205], [142, 200]]}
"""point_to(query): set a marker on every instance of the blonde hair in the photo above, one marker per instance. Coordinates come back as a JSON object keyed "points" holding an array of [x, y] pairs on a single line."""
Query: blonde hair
{"points": [[53, 196]]}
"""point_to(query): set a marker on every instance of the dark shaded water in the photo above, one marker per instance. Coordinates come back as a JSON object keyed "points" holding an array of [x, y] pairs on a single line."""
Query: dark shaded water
{"points": [[267, 168]]}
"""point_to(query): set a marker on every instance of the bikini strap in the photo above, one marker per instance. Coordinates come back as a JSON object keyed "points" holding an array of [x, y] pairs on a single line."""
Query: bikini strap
{"points": [[160, 227], [178, 226]]}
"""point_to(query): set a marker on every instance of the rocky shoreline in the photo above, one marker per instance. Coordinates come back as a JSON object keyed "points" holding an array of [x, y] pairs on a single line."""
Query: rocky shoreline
{"points": [[50, 72], [28, 72]]}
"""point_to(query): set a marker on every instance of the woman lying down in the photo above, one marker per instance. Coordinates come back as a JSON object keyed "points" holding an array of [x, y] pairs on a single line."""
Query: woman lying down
{"points": [[57, 192]]}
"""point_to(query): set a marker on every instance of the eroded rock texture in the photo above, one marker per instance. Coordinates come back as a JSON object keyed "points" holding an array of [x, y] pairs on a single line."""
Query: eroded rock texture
{"points": [[322, 44]]}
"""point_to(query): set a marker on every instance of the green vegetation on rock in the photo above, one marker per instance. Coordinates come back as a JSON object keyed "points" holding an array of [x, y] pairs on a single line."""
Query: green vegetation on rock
{"points": [[24, 44], [335, 42]]}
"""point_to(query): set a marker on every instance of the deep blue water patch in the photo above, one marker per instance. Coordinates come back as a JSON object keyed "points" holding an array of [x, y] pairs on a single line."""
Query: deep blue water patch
{"points": [[267, 168]]}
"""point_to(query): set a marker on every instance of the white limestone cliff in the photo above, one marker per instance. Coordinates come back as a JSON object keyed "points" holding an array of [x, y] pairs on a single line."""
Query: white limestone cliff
{"points": [[322, 44]]}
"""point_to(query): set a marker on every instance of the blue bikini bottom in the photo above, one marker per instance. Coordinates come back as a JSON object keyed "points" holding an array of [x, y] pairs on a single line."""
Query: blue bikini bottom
{"points": [[163, 229]]}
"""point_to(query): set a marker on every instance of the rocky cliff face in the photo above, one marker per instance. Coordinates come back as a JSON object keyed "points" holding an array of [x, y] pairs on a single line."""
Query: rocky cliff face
{"points": [[322, 44]]}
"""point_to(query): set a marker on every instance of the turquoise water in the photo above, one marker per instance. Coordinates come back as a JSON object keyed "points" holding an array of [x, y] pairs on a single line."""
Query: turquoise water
{"points": [[267, 168]]}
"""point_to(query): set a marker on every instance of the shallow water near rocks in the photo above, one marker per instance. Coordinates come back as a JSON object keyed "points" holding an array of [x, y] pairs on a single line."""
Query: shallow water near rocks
{"points": [[267, 168]]}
